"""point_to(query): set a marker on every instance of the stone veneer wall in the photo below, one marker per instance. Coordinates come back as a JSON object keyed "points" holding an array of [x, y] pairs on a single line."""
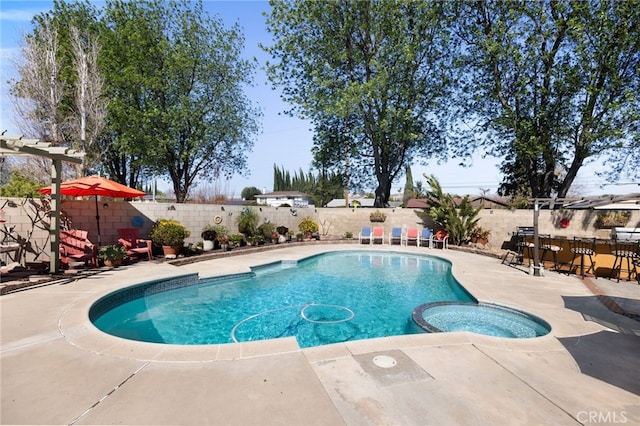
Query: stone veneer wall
{"points": [[332, 221]]}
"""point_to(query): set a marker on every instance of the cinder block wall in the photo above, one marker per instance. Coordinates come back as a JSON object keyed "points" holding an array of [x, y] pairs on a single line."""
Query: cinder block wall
{"points": [[332, 221]]}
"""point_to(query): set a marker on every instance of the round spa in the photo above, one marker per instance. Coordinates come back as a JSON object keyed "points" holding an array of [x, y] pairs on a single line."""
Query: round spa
{"points": [[481, 318]]}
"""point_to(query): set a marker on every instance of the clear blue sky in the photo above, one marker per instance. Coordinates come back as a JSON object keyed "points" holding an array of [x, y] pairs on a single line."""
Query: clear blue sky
{"points": [[283, 141]]}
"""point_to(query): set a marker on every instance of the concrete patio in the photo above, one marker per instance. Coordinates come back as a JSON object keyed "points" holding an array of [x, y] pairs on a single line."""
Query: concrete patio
{"points": [[57, 368]]}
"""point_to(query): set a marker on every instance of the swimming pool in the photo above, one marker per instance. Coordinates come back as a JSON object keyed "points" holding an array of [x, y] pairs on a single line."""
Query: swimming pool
{"points": [[313, 299], [327, 298]]}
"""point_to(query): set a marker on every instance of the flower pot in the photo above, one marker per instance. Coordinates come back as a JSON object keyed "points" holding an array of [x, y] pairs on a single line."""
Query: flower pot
{"points": [[171, 252], [112, 263], [207, 245], [224, 247]]}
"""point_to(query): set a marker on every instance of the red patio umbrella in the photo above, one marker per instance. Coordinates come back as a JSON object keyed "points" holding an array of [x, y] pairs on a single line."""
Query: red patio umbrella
{"points": [[95, 185]]}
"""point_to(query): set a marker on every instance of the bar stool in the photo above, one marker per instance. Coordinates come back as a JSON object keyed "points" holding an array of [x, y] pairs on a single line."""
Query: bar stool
{"points": [[584, 247], [547, 244], [524, 247], [625, 250]]}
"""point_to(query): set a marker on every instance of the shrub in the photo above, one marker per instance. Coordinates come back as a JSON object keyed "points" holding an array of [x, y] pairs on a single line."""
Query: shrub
{"points": [[457, 219], [112, 252], [308, 225], [169, 232], [266, 229], [247, 221]]}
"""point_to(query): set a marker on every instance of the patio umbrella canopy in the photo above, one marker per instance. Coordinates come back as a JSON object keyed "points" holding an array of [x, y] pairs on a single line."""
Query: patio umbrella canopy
{"points": [[95, 185]]}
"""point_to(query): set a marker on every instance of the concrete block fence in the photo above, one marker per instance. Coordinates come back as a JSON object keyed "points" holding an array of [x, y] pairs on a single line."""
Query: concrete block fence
{"points": [[333, 222]]}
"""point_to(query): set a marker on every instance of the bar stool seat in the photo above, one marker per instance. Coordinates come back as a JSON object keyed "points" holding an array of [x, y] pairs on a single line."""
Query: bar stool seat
{"points": [[625, 251]]}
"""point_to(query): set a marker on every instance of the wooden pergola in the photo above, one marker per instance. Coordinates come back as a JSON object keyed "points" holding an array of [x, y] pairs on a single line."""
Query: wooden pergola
{"points": [[18, 145]]}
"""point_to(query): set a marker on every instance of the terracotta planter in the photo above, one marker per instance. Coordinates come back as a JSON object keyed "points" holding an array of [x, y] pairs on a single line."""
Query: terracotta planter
{"points": [[112, 263], [171, 252]]}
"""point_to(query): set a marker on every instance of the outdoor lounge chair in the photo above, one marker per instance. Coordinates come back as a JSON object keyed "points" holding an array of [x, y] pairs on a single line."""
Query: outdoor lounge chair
{"points": [[441, 237], [395, 235], [411, 236], [377, 235], [75, 247], [365, 234], [425, 237], [136, 246]]}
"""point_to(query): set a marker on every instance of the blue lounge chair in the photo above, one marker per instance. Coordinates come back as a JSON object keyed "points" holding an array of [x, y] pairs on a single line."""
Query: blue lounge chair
{"points": [[395, 235], [426, 236], [365, 234]]}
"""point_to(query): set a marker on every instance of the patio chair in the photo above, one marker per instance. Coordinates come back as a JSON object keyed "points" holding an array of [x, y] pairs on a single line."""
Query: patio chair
{"points": [[75, 247], [136, 246], [395, 236], [377, 235], [441, 238], [584, 247], [425, 238], [412, 236], [365, 234]]}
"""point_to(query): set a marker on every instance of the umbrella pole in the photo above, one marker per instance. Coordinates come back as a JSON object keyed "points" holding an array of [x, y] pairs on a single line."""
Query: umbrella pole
{"points": [[98, 223]]}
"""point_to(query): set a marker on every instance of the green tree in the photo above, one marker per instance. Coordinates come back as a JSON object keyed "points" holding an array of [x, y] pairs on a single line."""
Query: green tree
{"points": [[373, 70], [549, 85], [21, 185], [249, 193], [409, 190], [175, 76]]}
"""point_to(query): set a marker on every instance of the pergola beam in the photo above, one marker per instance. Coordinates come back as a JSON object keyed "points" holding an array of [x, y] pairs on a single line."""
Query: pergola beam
{"points": [[17, 145]]}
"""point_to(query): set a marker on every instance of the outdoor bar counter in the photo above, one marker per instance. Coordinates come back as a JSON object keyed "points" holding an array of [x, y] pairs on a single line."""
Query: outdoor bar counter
{"points": [[603, 258]]}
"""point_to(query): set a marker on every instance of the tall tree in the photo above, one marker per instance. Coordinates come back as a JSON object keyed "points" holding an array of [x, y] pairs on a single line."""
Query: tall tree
{"points": [[409, 191], [550, 84], [375, 67], [58, 95], [176, 76]]}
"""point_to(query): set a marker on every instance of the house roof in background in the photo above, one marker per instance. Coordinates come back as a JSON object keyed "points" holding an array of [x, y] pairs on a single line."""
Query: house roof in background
{"points": [[283, 194]]}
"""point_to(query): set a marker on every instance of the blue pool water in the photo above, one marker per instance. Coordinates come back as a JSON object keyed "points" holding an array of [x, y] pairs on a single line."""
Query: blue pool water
{"points": [[481, 318], [328, 298]]}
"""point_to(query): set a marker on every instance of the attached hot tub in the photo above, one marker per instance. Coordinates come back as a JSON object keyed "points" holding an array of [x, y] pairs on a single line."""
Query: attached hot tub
{"points": [[480, 318]]}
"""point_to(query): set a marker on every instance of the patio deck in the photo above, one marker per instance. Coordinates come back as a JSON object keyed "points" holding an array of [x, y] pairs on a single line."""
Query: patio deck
{"points": [[56, 368]]}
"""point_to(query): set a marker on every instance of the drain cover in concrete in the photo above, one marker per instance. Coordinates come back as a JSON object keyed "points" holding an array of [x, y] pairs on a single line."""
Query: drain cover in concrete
{"points": [[391, 367], [384, 361]]}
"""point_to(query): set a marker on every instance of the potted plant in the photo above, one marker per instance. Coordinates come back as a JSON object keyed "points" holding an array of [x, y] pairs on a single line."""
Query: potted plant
{"points": [[480, 235], [612, 219], [236, 240], [209, 235], [308, 227], [299, 236], [266, 229], [112, 255], [170, 234], [255, 240], [275, 238], [377, 216], [223, 242], [247, 221]]}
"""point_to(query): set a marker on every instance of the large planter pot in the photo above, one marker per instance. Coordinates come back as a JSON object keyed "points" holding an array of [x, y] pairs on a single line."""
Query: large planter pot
{"points": [[171, 252], [207, 245], [112, 263]]}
